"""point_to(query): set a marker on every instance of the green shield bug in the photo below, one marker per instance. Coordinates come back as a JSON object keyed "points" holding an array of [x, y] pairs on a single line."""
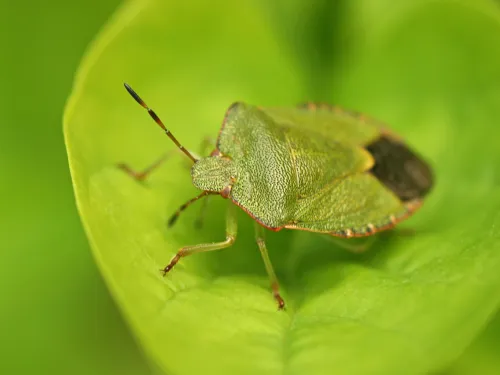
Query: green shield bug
{"points": [[315, 168]]}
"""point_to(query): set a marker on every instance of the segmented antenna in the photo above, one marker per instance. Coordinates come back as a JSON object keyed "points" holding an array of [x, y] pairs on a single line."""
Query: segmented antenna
{"points": [[159, 122]]}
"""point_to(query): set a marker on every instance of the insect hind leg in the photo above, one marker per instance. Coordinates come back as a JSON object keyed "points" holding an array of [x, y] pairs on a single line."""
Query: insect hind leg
{"points": [[354, 245]]}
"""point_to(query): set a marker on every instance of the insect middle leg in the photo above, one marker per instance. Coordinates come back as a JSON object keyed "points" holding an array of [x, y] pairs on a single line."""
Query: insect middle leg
{"points": [[259, 236], [231, 231]]}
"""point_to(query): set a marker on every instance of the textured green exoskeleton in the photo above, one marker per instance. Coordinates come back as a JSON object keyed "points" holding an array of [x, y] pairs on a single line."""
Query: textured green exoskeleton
{"points": [[316, 168]]}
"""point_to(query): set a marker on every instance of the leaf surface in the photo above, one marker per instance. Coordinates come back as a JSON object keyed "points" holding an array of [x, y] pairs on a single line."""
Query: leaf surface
{"points": [[409, 305]]}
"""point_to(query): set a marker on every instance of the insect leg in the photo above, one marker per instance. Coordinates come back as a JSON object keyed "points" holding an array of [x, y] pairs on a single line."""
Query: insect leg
{"points": [[259, 236], [356, 245], [176, 214], [201, 216], [142, 175], [231, 230]]}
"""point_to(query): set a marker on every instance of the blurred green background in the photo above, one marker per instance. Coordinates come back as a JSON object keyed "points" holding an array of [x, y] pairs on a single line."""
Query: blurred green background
{"points": [[56, 315]]}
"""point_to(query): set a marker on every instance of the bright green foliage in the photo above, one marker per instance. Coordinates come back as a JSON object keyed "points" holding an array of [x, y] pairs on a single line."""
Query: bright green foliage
{"points": [[409, 306]]}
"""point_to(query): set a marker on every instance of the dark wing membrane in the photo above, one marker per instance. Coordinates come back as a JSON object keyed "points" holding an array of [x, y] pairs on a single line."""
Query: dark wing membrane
{"points": [[400, 169]]}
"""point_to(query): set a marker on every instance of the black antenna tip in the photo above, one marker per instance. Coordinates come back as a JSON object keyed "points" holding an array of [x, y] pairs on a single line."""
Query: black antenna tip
{"points": [[172, 220], [134, 94]]}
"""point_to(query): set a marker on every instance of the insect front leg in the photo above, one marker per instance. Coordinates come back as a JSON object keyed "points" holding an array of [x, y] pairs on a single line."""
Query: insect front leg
{"points": [[142, 175], [259, 236], [231, 231]]}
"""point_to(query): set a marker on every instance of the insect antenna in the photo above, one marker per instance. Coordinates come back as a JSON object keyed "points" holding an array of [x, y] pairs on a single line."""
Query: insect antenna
{"points": [[175, 216], [159, 122]]}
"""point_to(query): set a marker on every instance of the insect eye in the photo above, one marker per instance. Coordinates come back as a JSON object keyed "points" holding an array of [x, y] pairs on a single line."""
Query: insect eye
{"points": [[226, 191]]}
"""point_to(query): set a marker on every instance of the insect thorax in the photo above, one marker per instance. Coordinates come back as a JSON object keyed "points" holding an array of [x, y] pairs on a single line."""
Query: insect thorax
{"points": [[213, 173]]}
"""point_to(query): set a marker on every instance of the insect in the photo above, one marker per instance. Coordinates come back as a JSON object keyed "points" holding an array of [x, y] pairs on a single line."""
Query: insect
{"points": [[315, 168]]}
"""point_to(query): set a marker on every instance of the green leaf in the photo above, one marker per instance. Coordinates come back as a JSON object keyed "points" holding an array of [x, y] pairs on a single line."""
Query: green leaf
{"points": [[481, 357], [410, 305], [56, 316]]}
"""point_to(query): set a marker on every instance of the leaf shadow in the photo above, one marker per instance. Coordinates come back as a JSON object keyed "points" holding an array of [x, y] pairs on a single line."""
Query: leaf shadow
{"points": [[295, 255]]}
